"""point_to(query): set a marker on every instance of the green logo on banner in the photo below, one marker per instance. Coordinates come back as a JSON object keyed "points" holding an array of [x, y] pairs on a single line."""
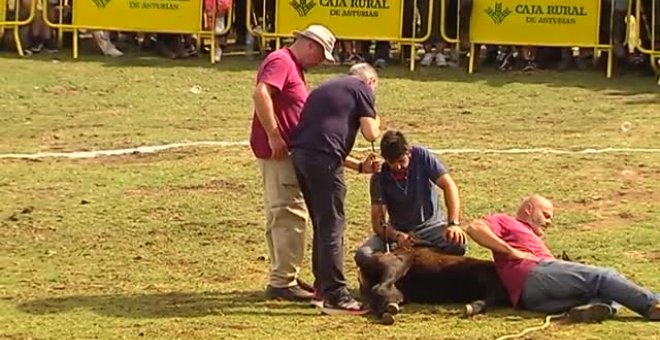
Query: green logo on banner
{"points": [[302, 6], [498, 14], [101, 3]]}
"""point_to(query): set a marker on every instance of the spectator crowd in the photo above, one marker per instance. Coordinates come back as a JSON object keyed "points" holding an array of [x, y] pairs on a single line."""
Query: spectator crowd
{"points": [[232, 34]]}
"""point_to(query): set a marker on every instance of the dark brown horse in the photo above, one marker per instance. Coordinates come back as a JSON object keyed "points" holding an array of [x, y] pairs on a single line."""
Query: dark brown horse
{"points": [[424, 275]]}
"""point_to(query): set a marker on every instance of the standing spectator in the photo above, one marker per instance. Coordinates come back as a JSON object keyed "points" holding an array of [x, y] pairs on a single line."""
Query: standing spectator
{"points": [[216, 12], [278, 97], [321, 144]]}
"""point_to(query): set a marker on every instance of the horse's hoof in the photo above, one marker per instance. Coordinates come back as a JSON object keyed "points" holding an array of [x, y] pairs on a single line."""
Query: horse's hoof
{"points": [[392, 308], [387, 319], [468, 311]]}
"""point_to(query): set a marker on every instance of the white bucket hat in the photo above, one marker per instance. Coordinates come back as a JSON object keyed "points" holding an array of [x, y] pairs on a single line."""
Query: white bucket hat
{"points": [[321, 35]]}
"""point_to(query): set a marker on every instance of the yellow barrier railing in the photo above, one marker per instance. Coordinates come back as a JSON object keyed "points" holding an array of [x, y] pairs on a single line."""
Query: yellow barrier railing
{"points": [[443, 24], [538, 23], [651, 28], [344, 22], [17, 22], [88, 15]]}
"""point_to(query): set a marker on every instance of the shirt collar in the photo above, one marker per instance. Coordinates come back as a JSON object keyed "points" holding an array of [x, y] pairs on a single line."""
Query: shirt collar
{"points": [[294, 58]]}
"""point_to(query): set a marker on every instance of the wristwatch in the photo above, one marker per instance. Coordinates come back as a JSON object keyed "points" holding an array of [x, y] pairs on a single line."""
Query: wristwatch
{"points": [[454, 223]]}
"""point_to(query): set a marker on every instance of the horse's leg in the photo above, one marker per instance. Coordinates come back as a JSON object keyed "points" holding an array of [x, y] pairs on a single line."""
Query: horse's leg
{"points": [[496, 296], [394, 268]]}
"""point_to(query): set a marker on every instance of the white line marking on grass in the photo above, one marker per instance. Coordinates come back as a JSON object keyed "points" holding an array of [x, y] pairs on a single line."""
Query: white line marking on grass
{"points": [[158, 148], [119, 152]]}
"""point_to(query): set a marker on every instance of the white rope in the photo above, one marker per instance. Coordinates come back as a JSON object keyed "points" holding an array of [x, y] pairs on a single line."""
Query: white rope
{"points": [[545, 325]]}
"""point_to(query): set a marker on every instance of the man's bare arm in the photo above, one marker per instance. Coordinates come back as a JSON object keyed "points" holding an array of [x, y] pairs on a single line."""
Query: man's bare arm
{"points": [[263, 105], [479, 231], [452, 198], [378, 218], [482, 234], [370, 127]]}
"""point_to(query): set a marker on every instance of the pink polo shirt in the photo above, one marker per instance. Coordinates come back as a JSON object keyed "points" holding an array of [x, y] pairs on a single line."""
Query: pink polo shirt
{"points": [[282, 71], [519, 235]]}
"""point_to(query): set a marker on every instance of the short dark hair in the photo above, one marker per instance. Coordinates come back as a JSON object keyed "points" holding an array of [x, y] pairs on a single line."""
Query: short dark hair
{"points": [[393, 145]]}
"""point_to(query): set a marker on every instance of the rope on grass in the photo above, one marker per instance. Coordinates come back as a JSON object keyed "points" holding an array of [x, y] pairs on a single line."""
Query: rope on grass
{"points": [[545, 325]]}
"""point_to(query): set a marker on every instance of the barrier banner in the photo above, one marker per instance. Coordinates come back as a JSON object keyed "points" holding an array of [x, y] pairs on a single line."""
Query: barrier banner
{"points": [[536, 22], [172, 16], [359, 19], [3, 9]]}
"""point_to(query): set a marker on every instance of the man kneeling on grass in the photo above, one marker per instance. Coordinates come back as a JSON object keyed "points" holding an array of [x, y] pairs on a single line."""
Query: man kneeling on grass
{"points": [[405, 191], [536, 281]]}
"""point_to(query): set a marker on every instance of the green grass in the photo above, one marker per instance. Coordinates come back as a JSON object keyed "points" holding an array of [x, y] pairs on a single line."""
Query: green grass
{"points": [[170, 245]]}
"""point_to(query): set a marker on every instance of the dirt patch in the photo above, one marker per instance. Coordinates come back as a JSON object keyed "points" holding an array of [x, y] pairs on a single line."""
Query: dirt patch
{"points": [[653, 255], [610, 209], [142, 157], [643, 255], [213, 186], [132, 158], [62, 89]]}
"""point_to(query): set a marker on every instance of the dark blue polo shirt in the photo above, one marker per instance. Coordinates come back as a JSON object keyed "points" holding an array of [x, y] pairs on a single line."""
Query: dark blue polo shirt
{"points": [[330, 119], [412, 202]]}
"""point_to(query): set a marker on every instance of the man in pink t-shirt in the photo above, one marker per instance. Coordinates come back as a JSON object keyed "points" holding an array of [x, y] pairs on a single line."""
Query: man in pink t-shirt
{"points": [[536, 281], [278, 97]]}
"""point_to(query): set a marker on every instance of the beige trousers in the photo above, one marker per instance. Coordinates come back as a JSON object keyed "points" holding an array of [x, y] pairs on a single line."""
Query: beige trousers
{"points": [[286, 219]]}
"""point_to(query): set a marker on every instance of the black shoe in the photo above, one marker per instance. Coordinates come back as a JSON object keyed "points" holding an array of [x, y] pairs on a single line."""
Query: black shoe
{"points": [[305, 286], [293, 293], [344, 304], [592, 312]]}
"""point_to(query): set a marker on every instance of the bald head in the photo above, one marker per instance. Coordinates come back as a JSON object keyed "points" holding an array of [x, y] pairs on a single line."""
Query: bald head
{"points": [[537, 211]]}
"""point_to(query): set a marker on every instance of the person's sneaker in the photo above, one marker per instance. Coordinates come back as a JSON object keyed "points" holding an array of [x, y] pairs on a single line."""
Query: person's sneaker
{"points": [[113, 52], [380, 63], [345, 305], [654, 312], [441, 60], [592, 312], [37, 47], [305, 286], [529, 67], [316, 301], [293, 293], [427, 59], [354, 59], [218, 54], [506, 61]]}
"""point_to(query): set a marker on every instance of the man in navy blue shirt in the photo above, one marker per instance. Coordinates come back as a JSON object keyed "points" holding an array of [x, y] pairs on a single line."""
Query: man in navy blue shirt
{"points": [[331, 118], [405, 190]]}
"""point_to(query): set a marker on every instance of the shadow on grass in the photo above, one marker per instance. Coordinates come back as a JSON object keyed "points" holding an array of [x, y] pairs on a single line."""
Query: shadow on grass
{"points": [[193, 304], [627, 84], [168, 305]]}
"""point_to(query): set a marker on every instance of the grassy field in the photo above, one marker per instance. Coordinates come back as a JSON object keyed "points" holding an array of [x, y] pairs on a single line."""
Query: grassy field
{"points": [[170, 245]]}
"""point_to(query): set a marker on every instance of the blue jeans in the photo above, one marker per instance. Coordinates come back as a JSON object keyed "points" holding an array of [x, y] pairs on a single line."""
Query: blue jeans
{"points": [[433, 236], [556, 286]]}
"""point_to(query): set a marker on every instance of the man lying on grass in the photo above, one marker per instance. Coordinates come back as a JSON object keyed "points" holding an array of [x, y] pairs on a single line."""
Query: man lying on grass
{"points": [[536, 281]]}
